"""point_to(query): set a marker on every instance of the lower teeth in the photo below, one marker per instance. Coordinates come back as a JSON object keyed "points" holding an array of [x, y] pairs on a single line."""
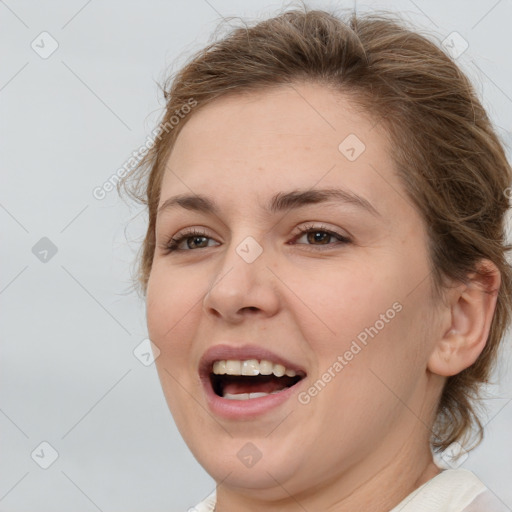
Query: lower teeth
{"points": [[247, 396]]}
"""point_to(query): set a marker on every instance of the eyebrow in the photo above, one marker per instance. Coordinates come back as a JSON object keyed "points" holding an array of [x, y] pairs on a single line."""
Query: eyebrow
{"points": [[280, 202]]}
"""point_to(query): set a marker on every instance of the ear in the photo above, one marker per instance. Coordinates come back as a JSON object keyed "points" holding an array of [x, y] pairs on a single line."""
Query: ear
{"points": [[470, 311]]}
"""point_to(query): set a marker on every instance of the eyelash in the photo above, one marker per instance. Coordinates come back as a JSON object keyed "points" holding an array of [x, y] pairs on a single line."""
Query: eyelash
{"points": [[173, 243]]}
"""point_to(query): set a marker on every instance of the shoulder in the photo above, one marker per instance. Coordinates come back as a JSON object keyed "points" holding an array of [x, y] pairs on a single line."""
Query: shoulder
{"points": [[452, 490], [486, 501], [207, 505]]}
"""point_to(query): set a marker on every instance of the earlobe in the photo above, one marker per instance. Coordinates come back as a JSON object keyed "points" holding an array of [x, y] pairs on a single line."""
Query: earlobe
{"points": [[471, 309]]}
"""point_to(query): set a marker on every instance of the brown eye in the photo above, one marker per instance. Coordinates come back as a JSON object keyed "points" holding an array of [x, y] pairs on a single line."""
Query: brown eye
{"points": [[188, 240], [322, 239], [319, 236], [197, 241]]}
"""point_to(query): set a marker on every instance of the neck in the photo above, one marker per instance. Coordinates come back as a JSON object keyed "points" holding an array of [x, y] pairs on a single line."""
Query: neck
{"points": [[355, 489]]}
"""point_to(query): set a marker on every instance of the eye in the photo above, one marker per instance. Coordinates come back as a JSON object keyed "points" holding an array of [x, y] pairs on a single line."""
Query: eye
{"points": [[315, 235], [193, 239], [319, 236]]}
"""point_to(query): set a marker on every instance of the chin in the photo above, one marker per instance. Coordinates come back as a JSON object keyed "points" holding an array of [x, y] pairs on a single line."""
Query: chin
{"points": [[250, 463]]}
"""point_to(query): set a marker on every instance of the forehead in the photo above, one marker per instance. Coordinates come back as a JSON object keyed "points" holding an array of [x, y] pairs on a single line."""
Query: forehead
{"points": [[248, 146], [308, 116]]}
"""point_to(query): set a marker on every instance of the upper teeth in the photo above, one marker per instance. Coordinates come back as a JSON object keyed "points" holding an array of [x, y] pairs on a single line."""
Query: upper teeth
{"points": [[251, 367]]}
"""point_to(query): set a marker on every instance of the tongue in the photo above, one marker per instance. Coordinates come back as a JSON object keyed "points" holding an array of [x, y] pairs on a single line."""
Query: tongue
{"points": [[237, 385]]}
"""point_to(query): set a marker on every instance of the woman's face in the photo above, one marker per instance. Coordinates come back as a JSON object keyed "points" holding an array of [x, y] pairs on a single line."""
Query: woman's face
{"points": [[343, 306]]}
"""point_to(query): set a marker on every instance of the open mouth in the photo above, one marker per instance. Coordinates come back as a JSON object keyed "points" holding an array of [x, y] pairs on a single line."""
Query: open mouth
{"points": [[250, 379]]}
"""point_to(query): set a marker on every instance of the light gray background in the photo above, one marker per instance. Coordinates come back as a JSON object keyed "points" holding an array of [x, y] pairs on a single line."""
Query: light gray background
{"points": [[68, 375]]}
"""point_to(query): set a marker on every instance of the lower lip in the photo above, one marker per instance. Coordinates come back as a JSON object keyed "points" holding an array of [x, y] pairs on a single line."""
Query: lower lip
{"points": [[240, 409]]}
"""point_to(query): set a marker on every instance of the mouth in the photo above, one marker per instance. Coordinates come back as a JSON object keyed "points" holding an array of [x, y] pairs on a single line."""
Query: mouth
{"points": [[250, 379], [247, 381]]}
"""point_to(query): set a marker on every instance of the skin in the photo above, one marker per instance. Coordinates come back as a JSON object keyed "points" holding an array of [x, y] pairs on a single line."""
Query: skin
{"points": [[362, 443]]}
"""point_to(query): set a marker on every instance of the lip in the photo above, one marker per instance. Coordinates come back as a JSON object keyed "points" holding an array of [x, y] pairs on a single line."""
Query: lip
{"points": [[240, 409]]}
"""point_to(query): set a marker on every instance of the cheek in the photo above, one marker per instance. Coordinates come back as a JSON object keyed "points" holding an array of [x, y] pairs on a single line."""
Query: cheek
{"points": [[337, 303], [172, 304], [362, 317], [369, 370], [171, 298]]}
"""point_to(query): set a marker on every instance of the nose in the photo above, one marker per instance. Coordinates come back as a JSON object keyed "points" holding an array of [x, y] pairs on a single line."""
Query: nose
{"points": [[242, 286]]}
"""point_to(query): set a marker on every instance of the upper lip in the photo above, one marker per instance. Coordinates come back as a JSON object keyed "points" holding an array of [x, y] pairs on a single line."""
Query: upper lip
{"points": [[243, 353]]}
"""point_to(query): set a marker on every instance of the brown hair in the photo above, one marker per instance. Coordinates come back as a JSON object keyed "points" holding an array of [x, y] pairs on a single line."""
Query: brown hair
{"points": [[445, 149]]}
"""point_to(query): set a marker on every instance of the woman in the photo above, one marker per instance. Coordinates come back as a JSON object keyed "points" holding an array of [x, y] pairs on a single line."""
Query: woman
{"points": [[324, 265]]}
